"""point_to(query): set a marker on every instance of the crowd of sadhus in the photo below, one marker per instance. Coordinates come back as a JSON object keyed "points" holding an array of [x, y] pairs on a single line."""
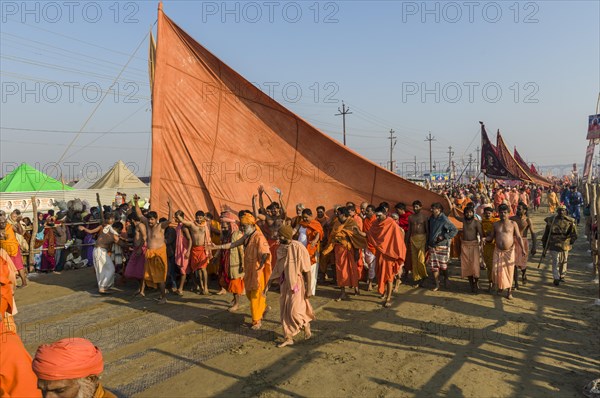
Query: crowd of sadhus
{"points": [[380, 246]]}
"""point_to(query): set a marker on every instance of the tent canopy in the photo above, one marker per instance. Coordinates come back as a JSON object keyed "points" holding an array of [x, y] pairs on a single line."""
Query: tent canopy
{"points": [[120, 176], [216, 138], [27, 179]]}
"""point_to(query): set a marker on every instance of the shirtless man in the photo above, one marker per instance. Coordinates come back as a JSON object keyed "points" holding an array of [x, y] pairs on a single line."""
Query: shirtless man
{"points": [[103, 264], [155, 271], [416, 239], [199, 257], [470, 256], [135, 264], [525, 226], [505, 232], [270, 222], [273, 217]]}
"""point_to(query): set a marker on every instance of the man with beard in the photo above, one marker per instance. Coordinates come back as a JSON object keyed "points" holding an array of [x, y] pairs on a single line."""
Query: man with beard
{"points": [[199, 256], [370, 260], [324, 220], [183, 248], [257, 258], [345, 239], [231, 261], [403, 215], [505, 233], [135, 264], [310, 234], [155, 268], [103, 263], [487, 223], [293, 269], [470, 255], [269, 222], [386, 236], [416, 239], [441, 231], [525, 226], [69, 368], [559, 236]]}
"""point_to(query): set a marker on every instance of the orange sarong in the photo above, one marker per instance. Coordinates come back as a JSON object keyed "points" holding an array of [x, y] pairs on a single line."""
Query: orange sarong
{"points": [[520, 259], [236, 286], [470, 258], [504, 267], [198, 258], [155, 270]]}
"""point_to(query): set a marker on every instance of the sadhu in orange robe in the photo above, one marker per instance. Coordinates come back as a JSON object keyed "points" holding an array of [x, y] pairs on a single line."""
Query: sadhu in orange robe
{"points": [[388, 239], [345, 242], [255, 279], [16, 376]]}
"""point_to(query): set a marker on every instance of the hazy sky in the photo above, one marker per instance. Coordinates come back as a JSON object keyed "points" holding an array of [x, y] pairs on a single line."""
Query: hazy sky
{"points": [[530, 69]]}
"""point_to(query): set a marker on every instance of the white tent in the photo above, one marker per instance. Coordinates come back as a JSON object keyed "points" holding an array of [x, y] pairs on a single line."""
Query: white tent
{"points": [[120, 176]]}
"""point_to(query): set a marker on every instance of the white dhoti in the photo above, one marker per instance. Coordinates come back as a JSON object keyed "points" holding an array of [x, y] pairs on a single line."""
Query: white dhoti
{"points": [[314, 270], [105, 268], [370, 263]]}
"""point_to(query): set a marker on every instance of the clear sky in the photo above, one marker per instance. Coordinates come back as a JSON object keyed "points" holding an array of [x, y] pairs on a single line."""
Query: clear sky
{"points": [[530, 69]]}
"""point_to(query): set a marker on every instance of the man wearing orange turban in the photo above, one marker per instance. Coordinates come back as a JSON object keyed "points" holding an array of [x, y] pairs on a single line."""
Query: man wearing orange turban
{"points": [[16, 377], [257, 266], [70, 368]]}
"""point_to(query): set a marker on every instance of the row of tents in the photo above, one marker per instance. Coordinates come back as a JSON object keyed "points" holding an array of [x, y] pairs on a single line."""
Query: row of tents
{"points": [[26, 178]]}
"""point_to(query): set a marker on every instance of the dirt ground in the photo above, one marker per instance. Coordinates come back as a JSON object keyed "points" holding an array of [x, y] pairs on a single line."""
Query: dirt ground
{"points": [[447, 343]]}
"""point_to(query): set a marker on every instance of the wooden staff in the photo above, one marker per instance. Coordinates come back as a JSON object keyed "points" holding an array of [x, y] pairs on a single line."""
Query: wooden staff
{"points": [[34, 231], [594, 236], [593, 213]]}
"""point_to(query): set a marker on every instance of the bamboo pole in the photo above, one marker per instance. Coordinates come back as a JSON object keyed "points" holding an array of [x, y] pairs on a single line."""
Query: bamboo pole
{"points": [[595, 237], [34, 231], [593, 214]]}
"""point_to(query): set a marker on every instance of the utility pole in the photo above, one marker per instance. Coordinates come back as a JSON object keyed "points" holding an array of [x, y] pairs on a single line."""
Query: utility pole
{"points": [[470, 163], [430, 138], [450, 153], [392, 139], [415, 167], [343, 112], [478, 160]]}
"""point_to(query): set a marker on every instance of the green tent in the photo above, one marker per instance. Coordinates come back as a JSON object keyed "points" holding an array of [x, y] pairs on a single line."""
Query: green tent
{"points": [[27, 179]]}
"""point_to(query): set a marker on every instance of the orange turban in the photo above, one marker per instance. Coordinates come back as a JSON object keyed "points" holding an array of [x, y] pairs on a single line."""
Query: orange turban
{"points": [[72, 358], [248, 219]]}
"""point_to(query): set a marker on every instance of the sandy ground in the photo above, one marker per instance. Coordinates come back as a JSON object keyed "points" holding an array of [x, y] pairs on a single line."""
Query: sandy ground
{"points": [[447, 343]]}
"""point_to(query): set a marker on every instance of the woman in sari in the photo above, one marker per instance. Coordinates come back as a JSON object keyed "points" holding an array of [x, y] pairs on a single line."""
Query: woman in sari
{"points": [[48, 247]]}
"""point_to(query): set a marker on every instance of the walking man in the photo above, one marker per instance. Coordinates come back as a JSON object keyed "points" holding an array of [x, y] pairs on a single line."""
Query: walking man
{"points": [[559, 235]]}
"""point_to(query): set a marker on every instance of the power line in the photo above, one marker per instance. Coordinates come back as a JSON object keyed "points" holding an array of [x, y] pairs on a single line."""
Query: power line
{"points": [[85, 123], [45, 47], [79, 40], [117, 125], [46, 143], [73, 131], [66, 69], [87, 87]]}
